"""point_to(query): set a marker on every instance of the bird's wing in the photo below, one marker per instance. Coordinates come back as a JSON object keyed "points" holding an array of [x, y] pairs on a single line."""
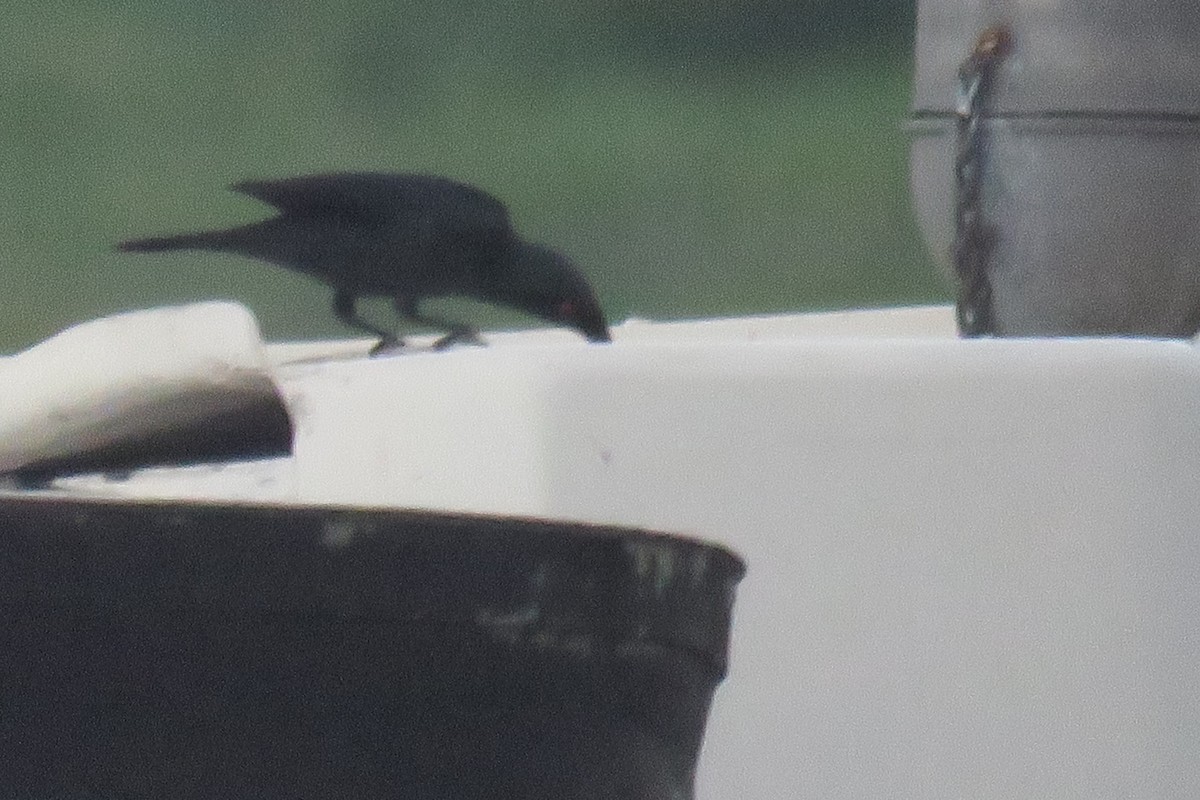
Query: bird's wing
{"points": [[470, 214], [373, 197], [353, 196]]}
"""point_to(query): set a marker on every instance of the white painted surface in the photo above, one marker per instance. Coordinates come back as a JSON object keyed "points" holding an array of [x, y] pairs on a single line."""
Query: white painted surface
{"points": [[972, 564]]}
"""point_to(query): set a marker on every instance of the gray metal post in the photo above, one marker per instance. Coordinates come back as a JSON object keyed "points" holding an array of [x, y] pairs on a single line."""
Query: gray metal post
{"points": [[1090, 184]]}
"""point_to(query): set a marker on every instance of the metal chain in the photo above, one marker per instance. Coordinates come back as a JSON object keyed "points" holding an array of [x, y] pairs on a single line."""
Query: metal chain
{"points": [[974, 238]]}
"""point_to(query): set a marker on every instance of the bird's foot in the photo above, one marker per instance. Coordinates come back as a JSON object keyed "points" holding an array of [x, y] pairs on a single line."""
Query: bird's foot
{"points": [[385, 346], [460, 336]]}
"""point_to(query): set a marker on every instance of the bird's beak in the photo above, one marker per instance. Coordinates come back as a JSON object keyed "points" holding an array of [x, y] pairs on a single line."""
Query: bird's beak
{"points": [[593, 325], [598, 335], [584, 315]]}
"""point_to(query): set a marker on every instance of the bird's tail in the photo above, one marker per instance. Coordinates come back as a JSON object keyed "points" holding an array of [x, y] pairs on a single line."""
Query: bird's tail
{"points": [[183, 241]]}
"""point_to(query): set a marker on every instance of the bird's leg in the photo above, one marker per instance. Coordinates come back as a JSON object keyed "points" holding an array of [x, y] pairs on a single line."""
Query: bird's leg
{"points": [[343, 309], [456, 331]]}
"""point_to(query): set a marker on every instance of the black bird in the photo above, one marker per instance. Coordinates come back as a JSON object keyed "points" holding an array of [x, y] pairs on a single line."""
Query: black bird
{"points": [[407, 237]]}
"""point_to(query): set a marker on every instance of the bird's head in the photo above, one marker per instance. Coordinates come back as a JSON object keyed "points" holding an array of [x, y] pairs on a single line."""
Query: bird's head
{"points": [[543, 282]]}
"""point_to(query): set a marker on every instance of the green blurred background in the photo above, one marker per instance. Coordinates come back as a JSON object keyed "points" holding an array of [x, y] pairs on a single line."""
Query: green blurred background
{"points": [[695, 157]]}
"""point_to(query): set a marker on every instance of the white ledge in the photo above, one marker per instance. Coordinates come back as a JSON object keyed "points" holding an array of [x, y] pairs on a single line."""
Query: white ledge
{"points": [[972, 564]]}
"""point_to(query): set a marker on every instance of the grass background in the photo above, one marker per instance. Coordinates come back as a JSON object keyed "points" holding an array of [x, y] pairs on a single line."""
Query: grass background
{"points": [[694, 157]]}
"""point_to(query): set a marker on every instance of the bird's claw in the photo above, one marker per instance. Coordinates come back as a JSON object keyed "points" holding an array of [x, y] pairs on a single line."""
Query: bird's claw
{"points": [[384, 346], [460, 336]]}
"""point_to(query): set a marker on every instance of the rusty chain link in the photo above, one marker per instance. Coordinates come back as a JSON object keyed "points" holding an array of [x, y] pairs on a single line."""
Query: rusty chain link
{"points": [[974, 238]]}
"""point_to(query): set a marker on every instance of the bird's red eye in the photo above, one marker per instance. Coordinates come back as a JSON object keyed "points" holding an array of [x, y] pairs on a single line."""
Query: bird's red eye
{"points": [[566, 310]]}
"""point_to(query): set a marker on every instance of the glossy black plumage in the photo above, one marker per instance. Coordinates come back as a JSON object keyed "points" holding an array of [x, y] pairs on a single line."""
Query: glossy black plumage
{"points": [[404, 236]]}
